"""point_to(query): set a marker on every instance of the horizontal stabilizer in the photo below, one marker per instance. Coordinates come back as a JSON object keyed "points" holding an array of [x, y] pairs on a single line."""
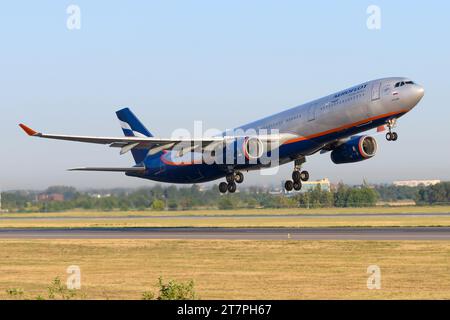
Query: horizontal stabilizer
{"points": [[132, 169]]}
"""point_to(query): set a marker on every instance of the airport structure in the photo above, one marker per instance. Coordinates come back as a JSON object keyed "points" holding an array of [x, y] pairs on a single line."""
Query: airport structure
{"points": [[310, 185], [324, 185], [415, 183]]}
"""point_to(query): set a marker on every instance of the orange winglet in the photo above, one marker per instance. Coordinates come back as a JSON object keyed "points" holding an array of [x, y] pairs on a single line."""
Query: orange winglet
{"points": [[28, 130]]}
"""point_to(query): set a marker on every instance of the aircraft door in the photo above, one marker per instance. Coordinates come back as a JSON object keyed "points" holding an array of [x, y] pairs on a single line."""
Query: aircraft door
{"points": [[312, 112], [376, 90]]}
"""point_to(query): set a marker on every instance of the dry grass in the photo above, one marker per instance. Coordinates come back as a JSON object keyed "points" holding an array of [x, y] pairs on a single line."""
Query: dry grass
{"points": [[298, 221], [292, 211], [123, 269]]}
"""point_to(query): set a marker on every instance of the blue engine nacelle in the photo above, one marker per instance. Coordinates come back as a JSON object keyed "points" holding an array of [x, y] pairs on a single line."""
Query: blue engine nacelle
{"points": [[237, 150], [245, 150], [356, 149]]}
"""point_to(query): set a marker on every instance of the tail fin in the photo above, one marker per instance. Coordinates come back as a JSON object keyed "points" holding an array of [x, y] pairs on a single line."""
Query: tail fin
{"points": [[132, 127]]}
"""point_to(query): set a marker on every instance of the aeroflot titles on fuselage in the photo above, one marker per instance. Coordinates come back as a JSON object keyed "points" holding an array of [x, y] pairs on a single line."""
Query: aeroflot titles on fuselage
{"points": [[354, 89]]}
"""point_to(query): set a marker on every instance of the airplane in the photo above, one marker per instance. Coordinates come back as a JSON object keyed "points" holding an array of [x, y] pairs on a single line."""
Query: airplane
{"points": [[334, 124]]}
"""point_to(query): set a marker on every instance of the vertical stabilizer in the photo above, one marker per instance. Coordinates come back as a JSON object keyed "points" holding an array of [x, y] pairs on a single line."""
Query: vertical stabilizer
{"points": [[132, 127]]}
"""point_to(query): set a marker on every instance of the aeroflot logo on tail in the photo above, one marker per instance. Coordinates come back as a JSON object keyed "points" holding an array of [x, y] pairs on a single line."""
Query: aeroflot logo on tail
{"points": [[337, 95]]}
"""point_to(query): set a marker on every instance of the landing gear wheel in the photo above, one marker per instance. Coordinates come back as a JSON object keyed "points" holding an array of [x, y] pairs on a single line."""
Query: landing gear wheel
{"points": [[388, 136], [231, 187], [297, 186], [296, 176], [223, 187], [288, 185], [304, 175], [238, 177], [394, 136], [391, 136], [230, 177]]}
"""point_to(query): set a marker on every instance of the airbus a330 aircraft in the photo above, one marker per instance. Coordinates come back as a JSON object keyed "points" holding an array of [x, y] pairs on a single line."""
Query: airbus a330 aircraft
{"points": [[329, 124]]}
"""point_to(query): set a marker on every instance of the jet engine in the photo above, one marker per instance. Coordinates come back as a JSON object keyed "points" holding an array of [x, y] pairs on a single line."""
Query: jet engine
{"points": [[241, 150], [356, 149], [245, 149]]}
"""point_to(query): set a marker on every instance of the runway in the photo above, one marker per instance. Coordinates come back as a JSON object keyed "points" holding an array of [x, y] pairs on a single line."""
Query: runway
{"points": [[394, 233]]}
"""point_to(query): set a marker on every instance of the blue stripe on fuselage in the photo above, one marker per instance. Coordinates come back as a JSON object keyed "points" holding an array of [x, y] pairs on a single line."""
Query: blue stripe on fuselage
{"points": [[195, 173]]}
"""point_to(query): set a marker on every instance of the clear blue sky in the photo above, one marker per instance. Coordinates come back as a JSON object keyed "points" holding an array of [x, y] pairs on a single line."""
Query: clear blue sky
{"points": [[223, 62]]}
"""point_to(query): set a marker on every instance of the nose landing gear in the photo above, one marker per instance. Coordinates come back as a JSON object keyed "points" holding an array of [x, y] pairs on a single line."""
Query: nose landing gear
{"points": [[391, 136], [297, 176], [232, 178]]}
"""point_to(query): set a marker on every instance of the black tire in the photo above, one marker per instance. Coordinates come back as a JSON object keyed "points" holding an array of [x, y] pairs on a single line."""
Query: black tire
{"points": [[223, 187], [394, 136], [296, 177], [297, 186], [288, 185], [388, 136], [304, 175], [230, 177], [231, 187], [238, 177]]}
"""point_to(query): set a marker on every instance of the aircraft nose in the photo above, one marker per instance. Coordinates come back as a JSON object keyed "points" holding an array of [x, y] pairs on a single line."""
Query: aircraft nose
{"points": [[419, 91], [416, 94]]}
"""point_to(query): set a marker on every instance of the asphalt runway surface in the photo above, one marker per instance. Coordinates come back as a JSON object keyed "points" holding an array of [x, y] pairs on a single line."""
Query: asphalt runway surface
{"points": [[394, 233]]}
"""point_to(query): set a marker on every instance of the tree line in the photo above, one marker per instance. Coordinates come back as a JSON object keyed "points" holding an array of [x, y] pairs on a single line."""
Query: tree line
{"points": [[186, 198]]}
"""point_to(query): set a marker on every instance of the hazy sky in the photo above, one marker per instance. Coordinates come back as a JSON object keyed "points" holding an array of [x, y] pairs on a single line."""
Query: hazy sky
{"points": [[223, 62]]}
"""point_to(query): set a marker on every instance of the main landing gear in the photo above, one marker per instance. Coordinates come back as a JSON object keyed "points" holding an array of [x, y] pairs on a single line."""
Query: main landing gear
{"points": [[391, 136], [232, 178], [297, 176]]}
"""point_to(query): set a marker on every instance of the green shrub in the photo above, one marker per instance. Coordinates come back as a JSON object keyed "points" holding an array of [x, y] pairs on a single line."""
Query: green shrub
{"points": [[148, 295], [158, 205], [14, 293], [174, 290], [226, 203], [57, 290]]}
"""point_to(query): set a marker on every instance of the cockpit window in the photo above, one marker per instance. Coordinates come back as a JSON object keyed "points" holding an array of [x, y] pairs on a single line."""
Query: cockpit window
{"points": [[401, 84]]}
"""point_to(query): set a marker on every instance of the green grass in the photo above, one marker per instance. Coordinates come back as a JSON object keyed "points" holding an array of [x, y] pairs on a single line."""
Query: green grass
{"points": [[124, 269]]}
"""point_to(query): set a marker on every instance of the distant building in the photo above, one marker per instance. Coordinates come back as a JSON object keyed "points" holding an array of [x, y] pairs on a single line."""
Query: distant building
{"points": [[275, 191], [99, 195], [324, 184], [50, 197], [415, 183], [310, 185]]}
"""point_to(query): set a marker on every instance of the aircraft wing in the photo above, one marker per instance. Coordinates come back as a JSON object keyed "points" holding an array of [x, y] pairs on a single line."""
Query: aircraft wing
{"points": [[155, 144], [110, 169]]}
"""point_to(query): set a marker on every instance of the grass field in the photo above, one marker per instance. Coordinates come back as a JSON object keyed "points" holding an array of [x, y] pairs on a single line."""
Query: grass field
{"points": [[231, 218], [300, 222], [124, 269], [291, 211]]}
